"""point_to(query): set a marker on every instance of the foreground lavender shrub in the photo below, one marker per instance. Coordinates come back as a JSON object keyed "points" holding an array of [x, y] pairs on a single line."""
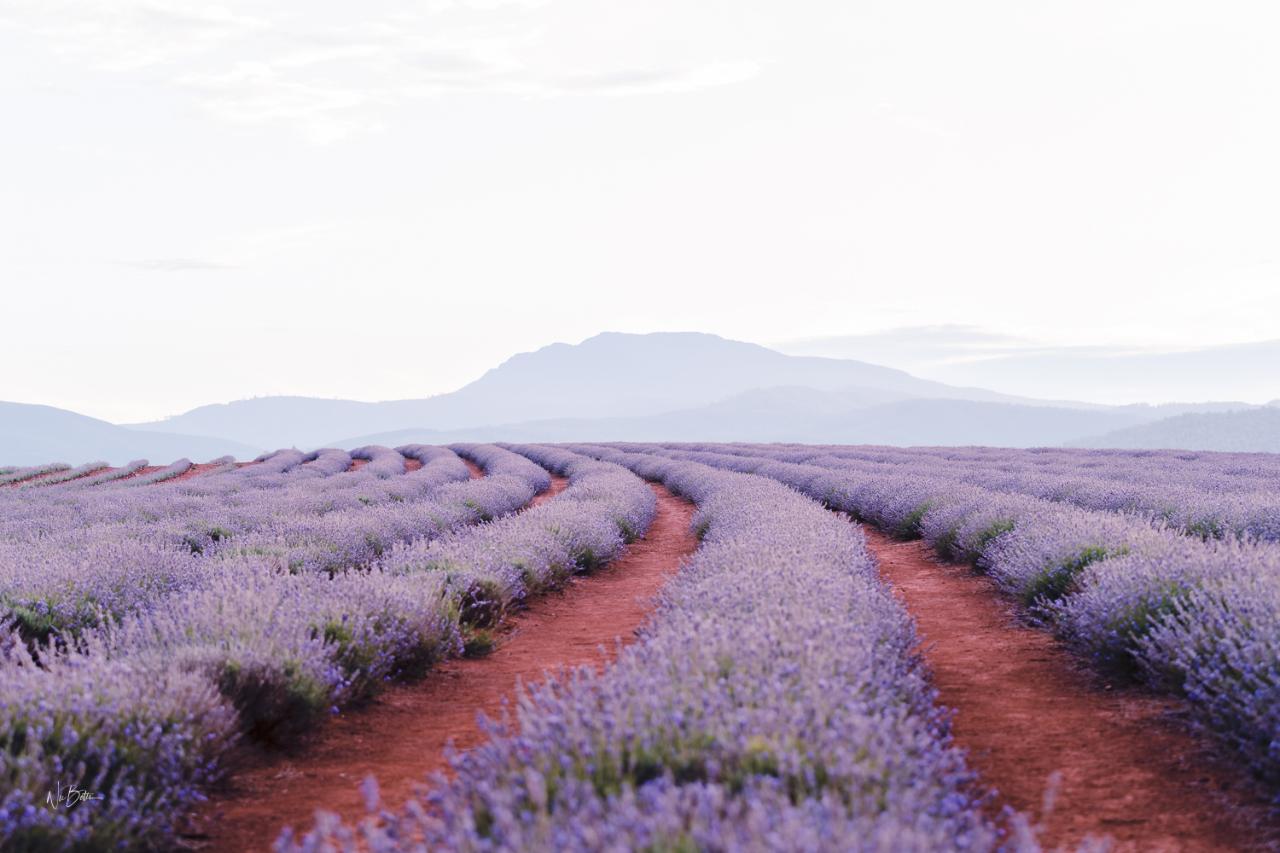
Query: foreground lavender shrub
{"points": [[141, 740], [284, 649], [1119, 602], [773, 700], [1220, 644], [1042, 558], [47, 591]]}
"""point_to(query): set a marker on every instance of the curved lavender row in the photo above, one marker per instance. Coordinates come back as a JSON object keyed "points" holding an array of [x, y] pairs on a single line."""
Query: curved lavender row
{"points": [[64, 476], [334, 635], [168, 472], [17, 475], [324, 463], [1198, 618], [213, 494], [68, 580], [273, 462], [283, 473], [1210, 471], [443, 499], [127, 470], [494, 459], [424, 453], [773, 703], [1209, 495], [496, 565], [382, 461], [142, 708]]}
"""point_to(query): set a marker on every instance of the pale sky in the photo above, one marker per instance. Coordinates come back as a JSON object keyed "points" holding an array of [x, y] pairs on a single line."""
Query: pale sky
{"points": [[208, 201]]}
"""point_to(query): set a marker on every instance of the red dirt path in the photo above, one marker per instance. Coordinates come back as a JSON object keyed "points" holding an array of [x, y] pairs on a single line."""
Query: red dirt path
{"points": [[401, 736], [194, 471], [558, 485], [1024, 709]]}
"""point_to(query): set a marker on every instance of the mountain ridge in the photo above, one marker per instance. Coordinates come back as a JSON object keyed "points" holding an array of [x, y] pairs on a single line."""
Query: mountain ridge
{"points": [[31, 433], [615, 373], [659, 386]]}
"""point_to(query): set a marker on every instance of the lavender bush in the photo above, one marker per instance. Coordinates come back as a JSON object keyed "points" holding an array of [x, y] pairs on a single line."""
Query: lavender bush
{"points": [[139, 740]]}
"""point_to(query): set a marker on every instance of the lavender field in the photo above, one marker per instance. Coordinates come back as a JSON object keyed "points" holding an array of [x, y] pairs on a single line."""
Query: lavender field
{"points": [[159, 621]]}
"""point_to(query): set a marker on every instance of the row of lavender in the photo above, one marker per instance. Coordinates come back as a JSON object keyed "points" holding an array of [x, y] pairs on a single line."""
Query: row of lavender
{"points": [[95, 473], [1211, 495], [138, 700], [142, 708], [774, 702], [73, 558], [1199, 618]]}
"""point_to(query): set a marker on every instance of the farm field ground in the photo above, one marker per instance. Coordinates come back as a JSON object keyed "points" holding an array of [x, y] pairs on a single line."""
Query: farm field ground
{"points": [[677, 646]]}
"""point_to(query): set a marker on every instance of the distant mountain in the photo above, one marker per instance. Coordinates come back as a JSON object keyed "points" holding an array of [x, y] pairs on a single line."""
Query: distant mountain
{"points": [[272, 422], [970, 356], [1255, 430], [808, 415], [666, 386], [609, 375], [31, 434]]}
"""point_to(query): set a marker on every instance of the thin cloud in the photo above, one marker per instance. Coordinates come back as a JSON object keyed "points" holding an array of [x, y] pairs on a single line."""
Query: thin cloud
{"points": [[179, 265], [955, 345], [328, 79], [654, 81]]}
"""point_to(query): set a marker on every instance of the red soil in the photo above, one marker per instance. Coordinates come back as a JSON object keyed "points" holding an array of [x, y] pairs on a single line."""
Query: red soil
{"points": [[558, 485], [409, 464], [1025, 709], [401, 736], [194, 471], [476, 471]]}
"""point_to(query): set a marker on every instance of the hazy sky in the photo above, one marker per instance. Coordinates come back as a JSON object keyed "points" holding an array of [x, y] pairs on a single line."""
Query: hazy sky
{"points": [[208, 201]]}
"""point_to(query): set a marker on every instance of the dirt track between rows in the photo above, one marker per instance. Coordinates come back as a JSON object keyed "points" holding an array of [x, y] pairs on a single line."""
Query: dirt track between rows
{"points": [[402, 735], [1026, 709]]}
